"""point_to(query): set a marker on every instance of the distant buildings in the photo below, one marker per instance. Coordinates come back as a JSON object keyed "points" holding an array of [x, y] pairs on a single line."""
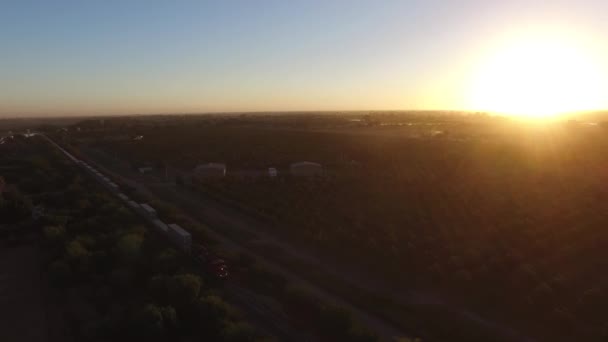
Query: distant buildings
{"points": [[210, 170], [305, 169]]}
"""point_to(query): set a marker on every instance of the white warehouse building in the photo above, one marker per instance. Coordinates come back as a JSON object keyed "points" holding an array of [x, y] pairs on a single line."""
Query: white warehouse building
{"points": [[305, 169]]}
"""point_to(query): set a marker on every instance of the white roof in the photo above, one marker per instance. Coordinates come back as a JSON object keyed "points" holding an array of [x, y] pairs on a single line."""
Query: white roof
{"points": [[305, 163], [123, 196], [211, 166], [133, 204]]}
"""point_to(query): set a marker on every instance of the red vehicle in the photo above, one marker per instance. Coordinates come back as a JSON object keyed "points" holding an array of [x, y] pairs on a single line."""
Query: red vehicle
{"points": [[212, 264], [218, 268]]}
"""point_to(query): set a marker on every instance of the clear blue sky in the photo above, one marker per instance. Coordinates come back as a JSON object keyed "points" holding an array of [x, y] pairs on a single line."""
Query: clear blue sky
{"points": [[92, 57]]}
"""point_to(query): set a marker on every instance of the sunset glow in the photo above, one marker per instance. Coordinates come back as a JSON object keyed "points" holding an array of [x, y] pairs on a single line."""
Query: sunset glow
{"points": [[538, 79]]}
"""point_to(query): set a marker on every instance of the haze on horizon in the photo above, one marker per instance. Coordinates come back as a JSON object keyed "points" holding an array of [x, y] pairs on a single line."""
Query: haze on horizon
{"points": [[122, 57]]}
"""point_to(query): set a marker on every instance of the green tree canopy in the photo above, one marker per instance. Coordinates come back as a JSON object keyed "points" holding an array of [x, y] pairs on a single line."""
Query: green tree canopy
{"points": [[184, 288], [129, 247]]}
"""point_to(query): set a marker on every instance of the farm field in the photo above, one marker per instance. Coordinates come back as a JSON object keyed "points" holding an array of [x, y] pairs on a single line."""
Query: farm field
{"points": [[498, 217]]}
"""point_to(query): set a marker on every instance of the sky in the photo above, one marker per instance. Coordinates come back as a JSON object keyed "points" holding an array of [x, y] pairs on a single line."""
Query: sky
{"points": [[124, 57]]}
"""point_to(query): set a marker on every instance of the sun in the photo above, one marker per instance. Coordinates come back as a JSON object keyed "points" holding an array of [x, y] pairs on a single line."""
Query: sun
{"points": [[538, 79]]}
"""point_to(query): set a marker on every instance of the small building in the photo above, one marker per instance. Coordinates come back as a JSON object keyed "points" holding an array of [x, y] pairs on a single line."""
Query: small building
{"points": [[123, 197], [210, 170], [305, 169], [161, 226], [272, 172], [180, 236], [148, 209]]}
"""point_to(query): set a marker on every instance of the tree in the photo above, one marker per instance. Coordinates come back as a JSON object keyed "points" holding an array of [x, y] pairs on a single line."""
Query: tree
{"points": [[184, 288], [129, 247], [207, 316], [15, 206], [169, 317], [238, 332], [54, 234], [76, 251], [167, 260], [150, 321]]}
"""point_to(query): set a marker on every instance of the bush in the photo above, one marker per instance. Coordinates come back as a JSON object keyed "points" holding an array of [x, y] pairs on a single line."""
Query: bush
{"points": [[207, 316], [54, 234], [184, 288], [238, 332], [150, 321], [168, 260], [76, 251], [129, 247], [169, 317]]}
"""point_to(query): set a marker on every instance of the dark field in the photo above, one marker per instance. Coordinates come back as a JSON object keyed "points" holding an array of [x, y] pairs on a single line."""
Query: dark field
{"points": [[502, 218]]}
